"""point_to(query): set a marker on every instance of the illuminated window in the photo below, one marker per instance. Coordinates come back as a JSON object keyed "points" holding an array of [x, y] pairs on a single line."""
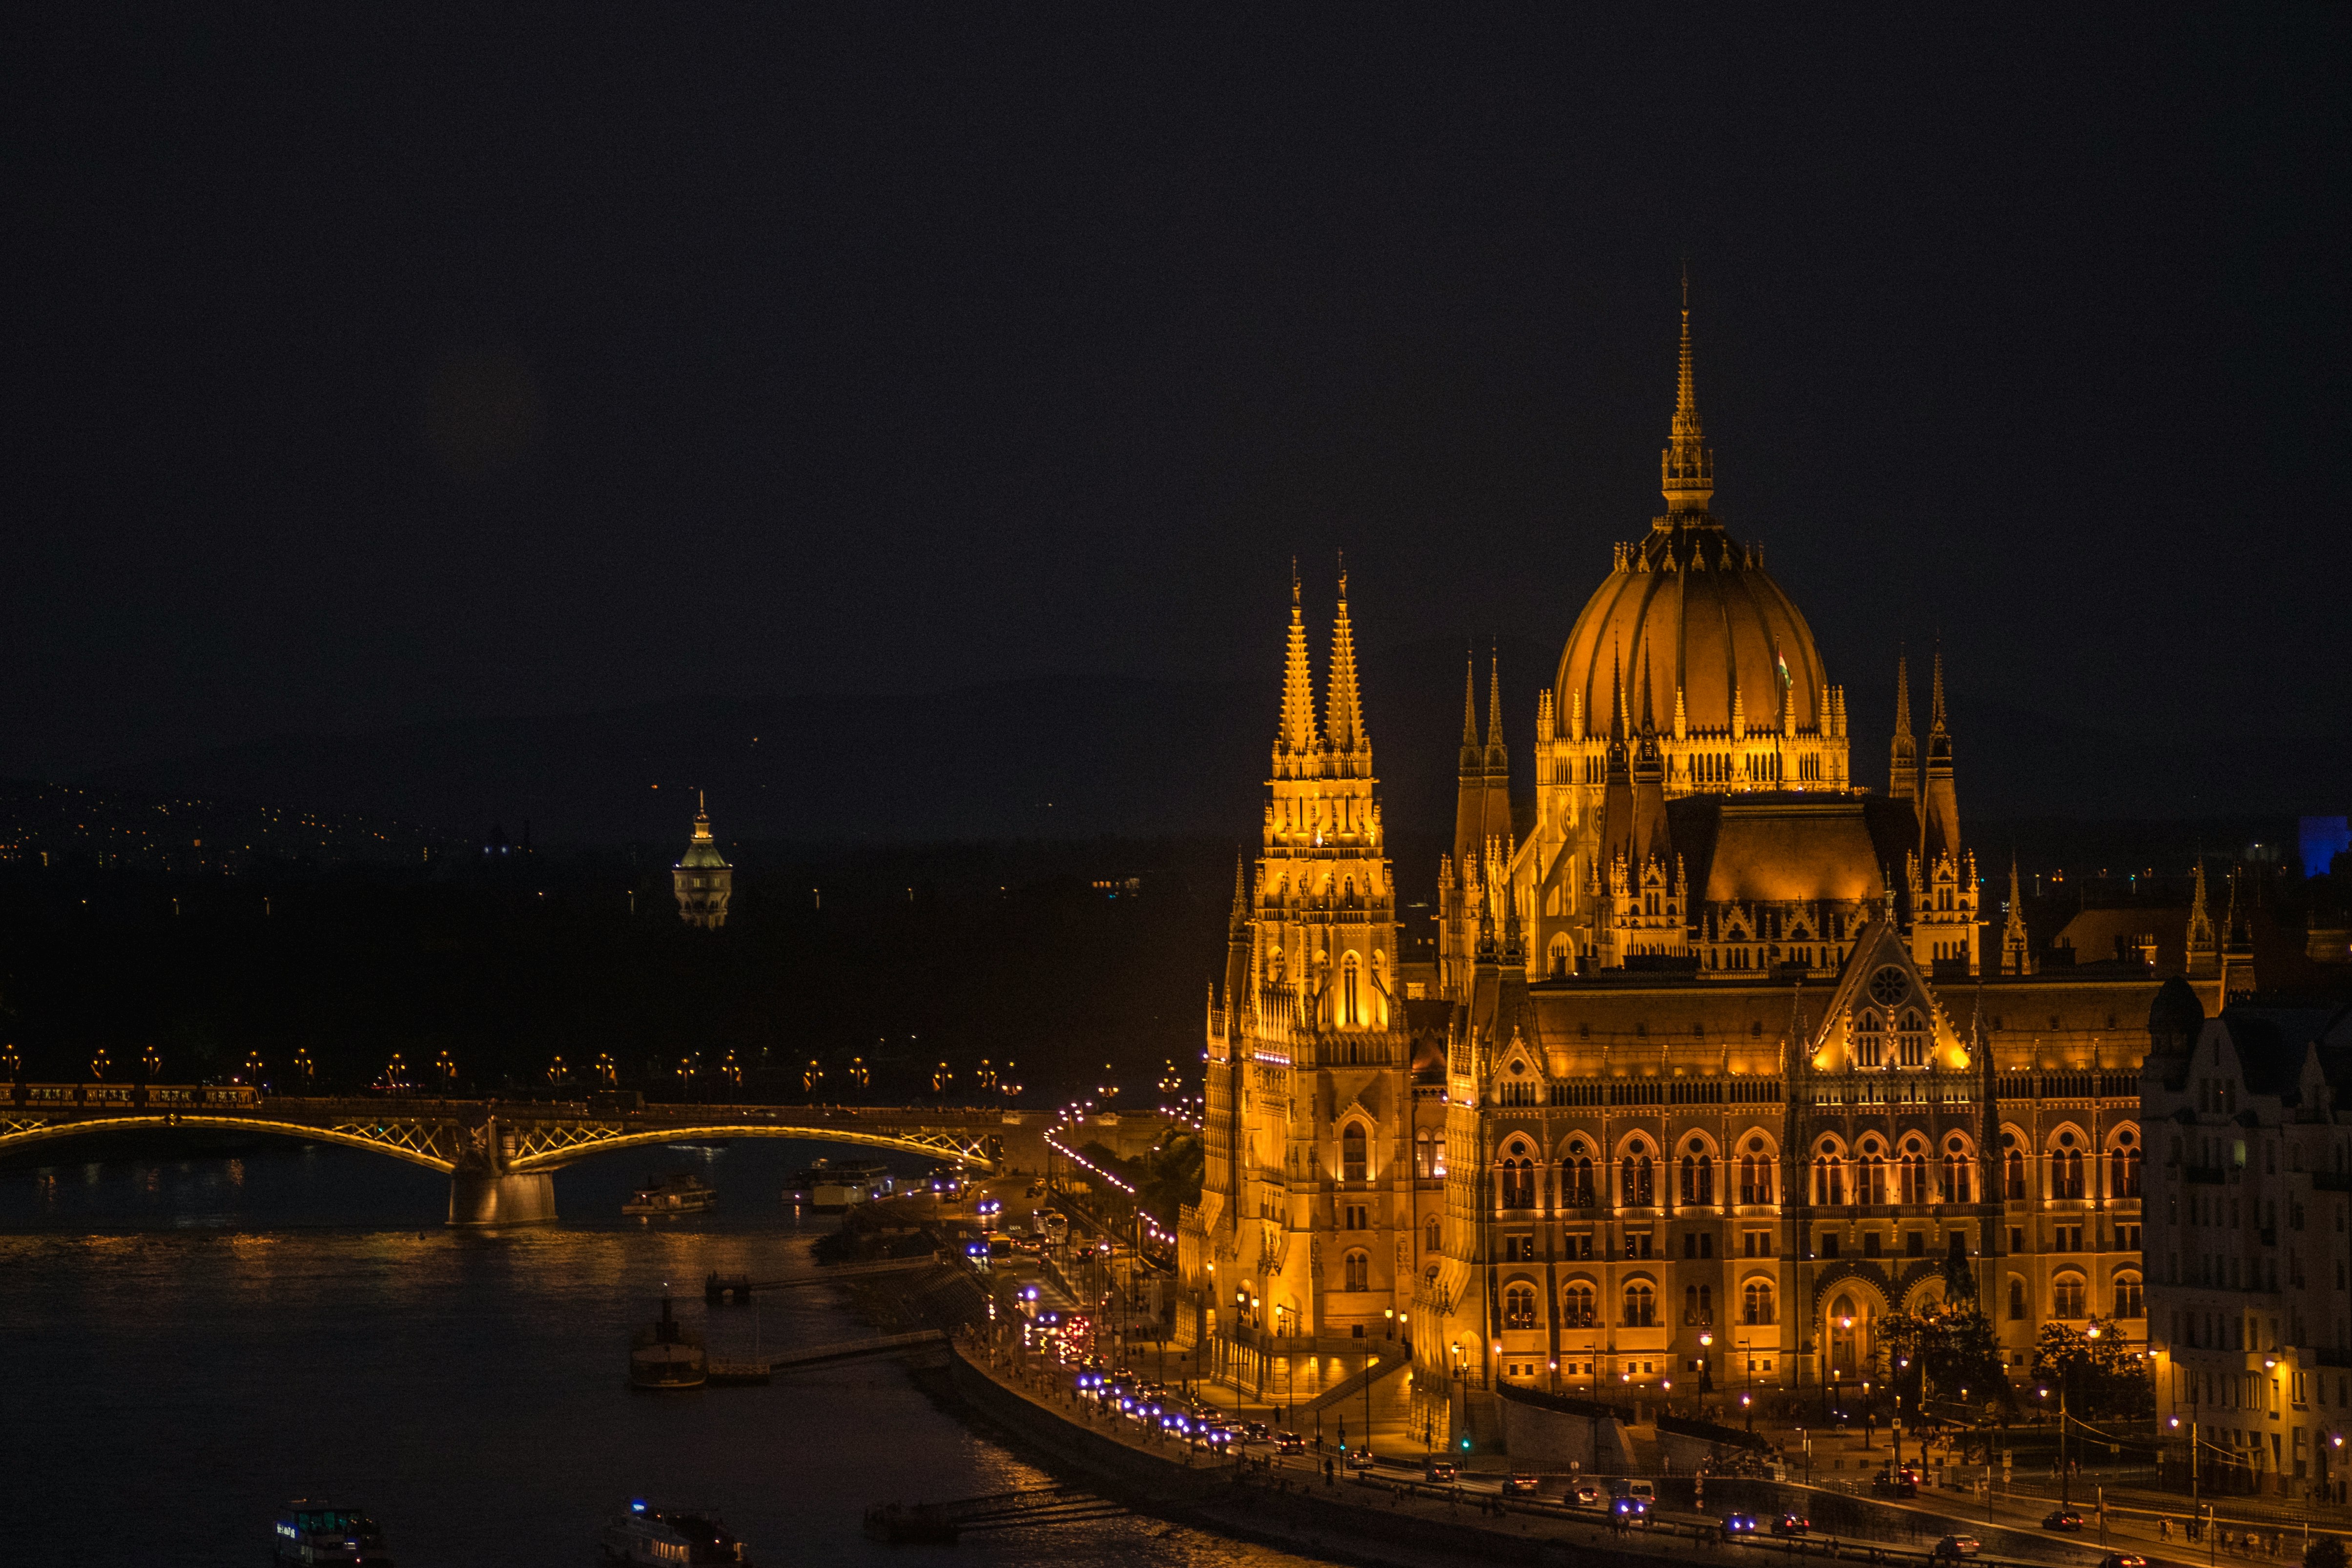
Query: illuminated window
{"points": [[1756, 1302], [2067, 1297], [1520, 1305], [1354, 1163], [1577, 1308], [1358, 1270], [1641, 1306]]}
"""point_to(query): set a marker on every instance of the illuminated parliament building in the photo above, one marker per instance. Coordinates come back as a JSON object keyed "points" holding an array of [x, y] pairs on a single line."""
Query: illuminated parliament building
{"points": [[1720, 1061]]}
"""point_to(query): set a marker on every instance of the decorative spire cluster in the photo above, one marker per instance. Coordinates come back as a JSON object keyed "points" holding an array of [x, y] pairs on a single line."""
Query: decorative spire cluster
{"points": [[1340, 747]]}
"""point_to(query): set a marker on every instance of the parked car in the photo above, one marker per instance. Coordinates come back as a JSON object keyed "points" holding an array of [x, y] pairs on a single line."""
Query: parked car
{"points": [[1956, 1546], [1738, 1524], [1520, 1484], [2062, 1519], [1792, 1524]]}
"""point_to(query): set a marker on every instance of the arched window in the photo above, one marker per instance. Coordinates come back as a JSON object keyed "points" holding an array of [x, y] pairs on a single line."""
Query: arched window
{"points": [[1577, 1307], [1434, 1238], [1518, 1305], [1358, 1266], [2066, 1168], [1870, 1176], [1519, 1183], [1425, 1154], [1705, 1178], [1957, 1169], [2123, 1172], [2129, 1300], [1756, 1302], [1641, 1306], [1351, 1006], [1914, 1183], [1355, 1164], [2067, 1297], [1914, 1040], [1576, 1179], [2016, 1300], [1828, 1179], [1640, 1190], [2013, 1161], [1870, 1039]]}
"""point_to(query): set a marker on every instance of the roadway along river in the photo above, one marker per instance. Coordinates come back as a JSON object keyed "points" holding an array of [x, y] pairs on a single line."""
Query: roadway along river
{"points": [[191, 1344]]}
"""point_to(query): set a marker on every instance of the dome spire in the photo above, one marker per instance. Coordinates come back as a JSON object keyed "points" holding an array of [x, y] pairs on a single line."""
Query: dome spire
{"points": [[1687, 468]]}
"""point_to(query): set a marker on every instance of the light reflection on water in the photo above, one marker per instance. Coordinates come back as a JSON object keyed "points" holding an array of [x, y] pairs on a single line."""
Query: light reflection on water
{"points": [[194, 1342]]}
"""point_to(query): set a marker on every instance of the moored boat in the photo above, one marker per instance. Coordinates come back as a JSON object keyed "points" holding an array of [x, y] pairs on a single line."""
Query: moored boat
{"points": [[649, 1535], [310, 1533], [683, 1192], [830, 1186], [666, 1353]]}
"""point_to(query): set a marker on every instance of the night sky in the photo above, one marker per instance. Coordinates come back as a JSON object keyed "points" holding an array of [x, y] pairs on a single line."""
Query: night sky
{"points": [[369, 370]]}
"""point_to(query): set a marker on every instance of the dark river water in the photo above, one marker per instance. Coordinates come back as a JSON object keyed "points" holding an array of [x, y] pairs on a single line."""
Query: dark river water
{"points": [[189, 1344]]}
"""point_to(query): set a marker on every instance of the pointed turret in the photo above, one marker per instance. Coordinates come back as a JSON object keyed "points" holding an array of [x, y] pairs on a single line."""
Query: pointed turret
{"points": [[2016, 948], [1903, 756], [2204, 947], [1343, 710], [1496, 813], [1687, 468], [1296, 744], [1470, 786], [1473, 755], [1939, 806]]}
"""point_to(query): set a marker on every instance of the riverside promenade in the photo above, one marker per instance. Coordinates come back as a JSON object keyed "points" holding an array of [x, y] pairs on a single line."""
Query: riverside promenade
{"points": [[1390, 1518]]}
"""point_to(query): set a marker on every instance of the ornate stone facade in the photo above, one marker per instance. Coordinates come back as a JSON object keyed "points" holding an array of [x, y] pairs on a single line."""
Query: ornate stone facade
{"points": [[1713, 1071]]}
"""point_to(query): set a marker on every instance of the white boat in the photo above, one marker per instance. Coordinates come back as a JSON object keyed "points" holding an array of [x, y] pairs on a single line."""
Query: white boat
{"points": [[652, 1536], [830, 1187], [685, 1193]]}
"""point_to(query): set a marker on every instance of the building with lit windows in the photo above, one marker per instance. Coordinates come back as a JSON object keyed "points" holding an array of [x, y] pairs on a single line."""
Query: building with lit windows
{"points": [[1722, 1057], [2249, 1254]]}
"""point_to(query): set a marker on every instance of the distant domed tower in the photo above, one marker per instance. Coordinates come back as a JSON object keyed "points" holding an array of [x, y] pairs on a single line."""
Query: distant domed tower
{"points": [[703, 879]]}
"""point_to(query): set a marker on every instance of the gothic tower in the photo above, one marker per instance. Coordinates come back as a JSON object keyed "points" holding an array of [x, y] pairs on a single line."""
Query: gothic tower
{"points": [[702, 880]]}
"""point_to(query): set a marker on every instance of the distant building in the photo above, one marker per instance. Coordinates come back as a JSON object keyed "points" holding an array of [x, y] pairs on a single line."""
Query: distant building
{"points": [[703, 879], [2249, 1264]]}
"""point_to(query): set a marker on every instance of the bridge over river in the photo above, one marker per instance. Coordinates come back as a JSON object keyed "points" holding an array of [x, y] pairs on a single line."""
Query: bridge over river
{"points": [[500, 1155]]}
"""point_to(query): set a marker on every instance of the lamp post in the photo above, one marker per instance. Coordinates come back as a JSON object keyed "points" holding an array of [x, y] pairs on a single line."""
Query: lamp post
{"points": [[1705, 1343]]}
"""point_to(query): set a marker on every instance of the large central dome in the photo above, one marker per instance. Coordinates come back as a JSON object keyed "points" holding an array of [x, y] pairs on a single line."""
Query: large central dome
{"points": [[1692, 609]]}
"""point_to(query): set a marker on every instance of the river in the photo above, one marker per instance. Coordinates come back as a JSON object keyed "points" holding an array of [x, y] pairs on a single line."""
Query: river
{"points": [[192, 1342]]}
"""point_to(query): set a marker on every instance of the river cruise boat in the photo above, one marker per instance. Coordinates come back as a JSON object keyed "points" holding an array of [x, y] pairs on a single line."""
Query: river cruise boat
{"points": [[666, 1353], [650, 1535], [830, 1186], [317, 1533], [685, 1193]]}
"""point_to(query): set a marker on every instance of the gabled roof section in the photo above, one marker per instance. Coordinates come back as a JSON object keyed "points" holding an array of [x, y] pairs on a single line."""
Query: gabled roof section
{"points": [[1876, 948]]}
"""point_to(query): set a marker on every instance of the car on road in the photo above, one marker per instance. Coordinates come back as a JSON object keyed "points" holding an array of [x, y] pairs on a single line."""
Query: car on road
{"points": [[1440, 1471], [1255, 1431], [1646, 1490], [2062, 1519], [1892, 1482], [1518, 1483], [1359, 1459], [1630, 1509], [1738, 1524], [1584, 1494], [1957, 1546], [1215, 1438], [1290, 1443], [1792, 1524], [2123, 1559]]}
